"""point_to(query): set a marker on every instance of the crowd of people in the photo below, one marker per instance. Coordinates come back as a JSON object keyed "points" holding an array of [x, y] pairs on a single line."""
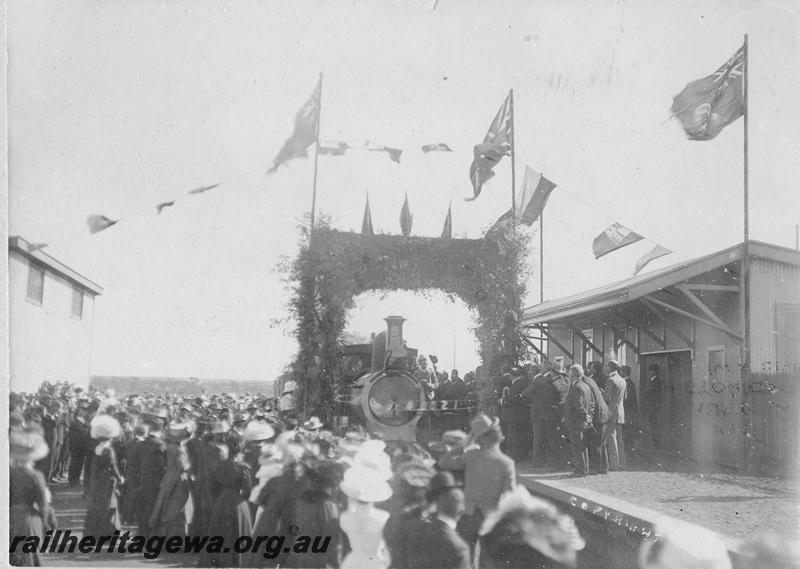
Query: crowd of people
{"points": [[234, 465]]}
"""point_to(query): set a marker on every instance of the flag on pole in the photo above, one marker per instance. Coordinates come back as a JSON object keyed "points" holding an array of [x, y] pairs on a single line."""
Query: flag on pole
{"points": [[496, 144], [708, 105], [305, 130], [654, 253], [533, 196], [98, 223], [438, 147], [366, 223], [615, 236], [447, 230], [406, 219]]}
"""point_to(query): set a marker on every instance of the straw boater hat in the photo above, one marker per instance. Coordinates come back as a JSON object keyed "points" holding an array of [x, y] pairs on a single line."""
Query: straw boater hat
{"points": [[104, 427], [220, 427], [258, 431], [27, 445], [482, 424]]}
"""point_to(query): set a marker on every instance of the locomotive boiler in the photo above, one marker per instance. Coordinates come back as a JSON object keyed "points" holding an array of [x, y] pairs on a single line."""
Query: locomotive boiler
{"points": [[380, 391]]}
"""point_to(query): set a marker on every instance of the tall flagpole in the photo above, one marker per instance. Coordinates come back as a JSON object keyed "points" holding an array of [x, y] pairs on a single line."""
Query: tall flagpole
{"points": [[746, 252], [314, 209], [513, 162], [541, 257], [316, 155]]}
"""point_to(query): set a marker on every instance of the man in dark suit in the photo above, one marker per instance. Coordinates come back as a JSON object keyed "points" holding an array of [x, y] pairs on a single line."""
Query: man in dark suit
{"points": [[598, 456], [436, 543], [578, 414], [518, 417]]}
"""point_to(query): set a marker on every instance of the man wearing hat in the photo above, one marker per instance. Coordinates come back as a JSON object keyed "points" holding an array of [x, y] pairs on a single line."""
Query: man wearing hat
{"points": [[152, 463], [578, 416], [615, 399], [488, 474], [79, 442], [436, 543]]}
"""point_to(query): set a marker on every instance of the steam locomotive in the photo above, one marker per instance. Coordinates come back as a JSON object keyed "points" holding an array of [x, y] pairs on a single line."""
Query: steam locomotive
{"points": [[380, 391]]}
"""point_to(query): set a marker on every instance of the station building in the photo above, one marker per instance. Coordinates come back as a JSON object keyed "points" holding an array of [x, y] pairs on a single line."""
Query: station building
{"points": [[51, 309], [688, 320]]}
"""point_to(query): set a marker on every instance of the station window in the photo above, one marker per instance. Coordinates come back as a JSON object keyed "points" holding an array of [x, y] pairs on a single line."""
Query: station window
{"points": [[77, 303], [35, 283]]}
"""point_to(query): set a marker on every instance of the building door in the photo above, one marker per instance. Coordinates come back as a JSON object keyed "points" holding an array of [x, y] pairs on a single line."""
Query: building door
{"points": [[666, 401]]}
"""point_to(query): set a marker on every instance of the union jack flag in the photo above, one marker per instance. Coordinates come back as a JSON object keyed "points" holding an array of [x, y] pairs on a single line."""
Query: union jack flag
{"points": [[708, 105]]}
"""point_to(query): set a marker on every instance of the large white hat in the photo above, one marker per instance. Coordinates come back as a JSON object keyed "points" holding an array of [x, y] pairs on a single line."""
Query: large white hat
{"points": [[359, 484], [105, 427], [27, 445], [258, 431]]}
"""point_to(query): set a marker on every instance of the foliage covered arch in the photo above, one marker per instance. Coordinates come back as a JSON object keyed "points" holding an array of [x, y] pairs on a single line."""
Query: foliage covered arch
{"points": [[334, 267]]}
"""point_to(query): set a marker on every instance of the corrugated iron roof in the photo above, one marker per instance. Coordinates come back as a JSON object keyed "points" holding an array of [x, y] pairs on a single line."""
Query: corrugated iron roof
{"points": [[629, 289]]}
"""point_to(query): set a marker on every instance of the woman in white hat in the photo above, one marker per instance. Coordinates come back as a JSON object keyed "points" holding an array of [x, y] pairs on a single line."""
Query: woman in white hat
{"points": [[366, 483], [101, 514], [30, 512]]}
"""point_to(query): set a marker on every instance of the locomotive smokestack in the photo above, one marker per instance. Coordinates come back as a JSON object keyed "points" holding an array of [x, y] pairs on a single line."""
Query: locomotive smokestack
{"points": [[394, 336]]}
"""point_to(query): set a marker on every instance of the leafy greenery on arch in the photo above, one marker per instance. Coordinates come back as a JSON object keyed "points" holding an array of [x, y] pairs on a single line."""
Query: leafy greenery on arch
{"points": [[334, 267]]}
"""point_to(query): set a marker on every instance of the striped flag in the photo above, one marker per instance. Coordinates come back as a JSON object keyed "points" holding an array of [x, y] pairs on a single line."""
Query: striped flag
{"points": [[533, 196], [616, 236], [366, 223], [305, 130], [496, 144], [708, 105], [406, 219], [651, 255], [447, 230]]}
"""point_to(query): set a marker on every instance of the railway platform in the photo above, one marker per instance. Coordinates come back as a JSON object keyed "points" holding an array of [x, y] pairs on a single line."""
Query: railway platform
{"points": [[617, 511]]}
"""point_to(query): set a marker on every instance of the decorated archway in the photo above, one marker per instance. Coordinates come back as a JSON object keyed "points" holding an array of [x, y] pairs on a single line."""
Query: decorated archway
{"points": [[333, 267]]}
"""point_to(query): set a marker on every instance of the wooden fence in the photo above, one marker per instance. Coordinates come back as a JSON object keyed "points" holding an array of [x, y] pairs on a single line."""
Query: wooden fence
{"points": [[773, 439]]}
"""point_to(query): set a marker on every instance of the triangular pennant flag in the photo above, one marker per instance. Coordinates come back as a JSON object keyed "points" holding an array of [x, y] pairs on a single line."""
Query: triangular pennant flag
{"points": [[162, 205], [203, 189], [366, 223], [98, 223], [654, 253], [406, 219], [533, 196], [708, 105], [333, 148], [305, 130], [614, 237], [394, 153], [496, 144], [447, 230], [438, 147]]}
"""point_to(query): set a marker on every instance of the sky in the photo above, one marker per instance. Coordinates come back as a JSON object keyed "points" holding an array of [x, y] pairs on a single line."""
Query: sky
{"points": [[114, 107]]}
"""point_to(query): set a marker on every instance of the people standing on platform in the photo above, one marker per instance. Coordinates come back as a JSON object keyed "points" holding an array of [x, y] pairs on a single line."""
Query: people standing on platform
{"points": [[30, 508], [436, 542], [630, 431], [596, 436], [174, 507], [652, 391], [539, 396], [488, 474], [79, 442], [102, 511], [615, 396], [578, 417], [518, 417], [152, 461]]}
